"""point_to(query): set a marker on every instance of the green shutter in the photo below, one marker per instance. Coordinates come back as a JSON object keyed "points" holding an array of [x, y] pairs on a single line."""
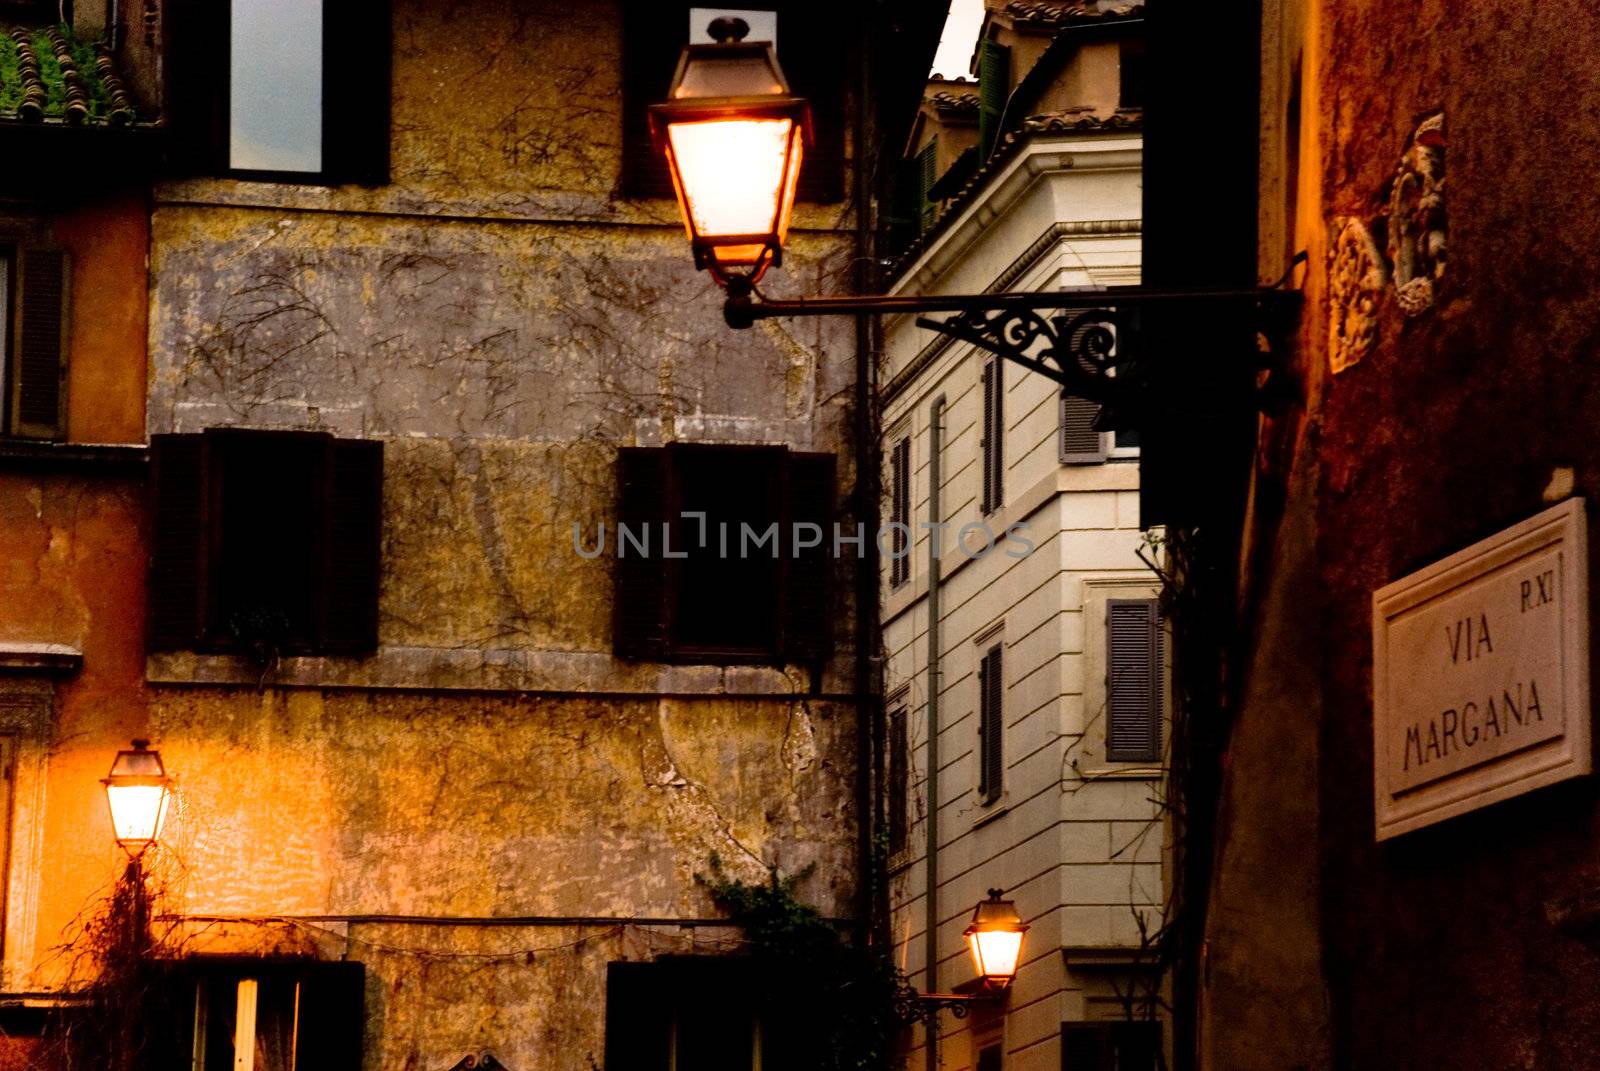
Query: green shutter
{"points": [[926, 169], [994, 87]]}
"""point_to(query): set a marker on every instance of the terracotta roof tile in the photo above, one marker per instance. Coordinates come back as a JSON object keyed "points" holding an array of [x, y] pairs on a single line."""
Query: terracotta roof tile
{"points": [[957, 103], [1061, 13], [47, 75]]}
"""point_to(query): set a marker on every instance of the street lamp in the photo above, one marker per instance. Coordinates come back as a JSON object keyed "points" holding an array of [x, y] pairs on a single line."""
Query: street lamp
{"points": [[995, 940], [733, 135], [137, 791]]}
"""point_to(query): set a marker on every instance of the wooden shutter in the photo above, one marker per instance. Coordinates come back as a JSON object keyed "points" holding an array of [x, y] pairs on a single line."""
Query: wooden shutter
{"points": [[994, 432], [196, 72], [653, 34], [638, 1018], [925, 167], [1081, 442], [810, 52], [808, 623], [39, 345], [994, 88], [352, 546], [1086, 1047], [639, 612], [900, 511], [899, 761], [991, 725], [1133, 680], [332, 1017], [179, 547], [355, 95]]}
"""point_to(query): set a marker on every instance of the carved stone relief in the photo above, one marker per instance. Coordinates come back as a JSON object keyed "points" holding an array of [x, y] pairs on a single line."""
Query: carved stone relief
{"points": [[1356, 279], [1417, 228]]}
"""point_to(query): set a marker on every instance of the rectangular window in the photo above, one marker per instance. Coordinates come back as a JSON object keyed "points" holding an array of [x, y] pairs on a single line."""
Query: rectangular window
{"points": [[654, 33], [991, 1057], [991, 725], [1133, 75], [1118, 1045], [723, 554], [281, 90], [994, 432], [899, 762], [265, 543], [264, 1015], [1133, 680], [900, 511], [699, 1013], [35, 285]]}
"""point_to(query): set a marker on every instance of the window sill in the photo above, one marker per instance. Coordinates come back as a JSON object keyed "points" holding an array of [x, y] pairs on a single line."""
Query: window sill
{"points": [[899, 862], [1129, 772], [93, 458], [993, 810]]}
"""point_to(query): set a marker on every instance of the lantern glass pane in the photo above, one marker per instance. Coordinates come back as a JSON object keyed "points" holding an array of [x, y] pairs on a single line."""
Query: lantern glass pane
{"points": [[137, 810], [995, 952], [732, 173]]}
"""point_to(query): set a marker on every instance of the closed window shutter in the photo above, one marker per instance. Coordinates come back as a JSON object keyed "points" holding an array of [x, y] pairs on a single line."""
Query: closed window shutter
{"points": [[38, 380], [991, 688], [926, 168], [639, 620], [1133, 680], [994, 87], [994, 426], [638, 1018], [178, 544], [332, 1017], [196, 65], [900, 480], [899, 780], [653, 35], [352, 546], [1081, 442], [356, 48], [808, 631]]}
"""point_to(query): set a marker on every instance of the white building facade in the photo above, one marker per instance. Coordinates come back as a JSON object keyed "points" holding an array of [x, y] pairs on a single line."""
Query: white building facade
{"points": [[1039, 664]]}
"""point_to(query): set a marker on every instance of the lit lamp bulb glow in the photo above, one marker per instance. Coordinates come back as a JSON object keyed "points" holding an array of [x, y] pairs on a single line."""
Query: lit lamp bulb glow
{"points": [[734, 138], [137, 792], [995, 940]]}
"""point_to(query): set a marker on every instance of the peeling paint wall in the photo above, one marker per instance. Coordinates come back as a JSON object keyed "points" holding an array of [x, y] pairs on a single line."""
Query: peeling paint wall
{"points": [[503, 322]]}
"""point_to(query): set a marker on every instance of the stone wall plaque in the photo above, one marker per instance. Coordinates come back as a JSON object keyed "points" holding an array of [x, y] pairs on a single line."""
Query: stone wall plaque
{"points": [[1480, 670]]}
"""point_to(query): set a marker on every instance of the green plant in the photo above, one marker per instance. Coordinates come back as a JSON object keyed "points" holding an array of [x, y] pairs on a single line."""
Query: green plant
{"points": [[842, 993]]}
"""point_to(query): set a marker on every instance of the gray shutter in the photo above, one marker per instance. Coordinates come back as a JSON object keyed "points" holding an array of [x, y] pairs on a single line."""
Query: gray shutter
{"points": [[994, 436], [1133, 680], [39, 362], [986, 505], [991, 689], [994, 87], [1081, 442]]}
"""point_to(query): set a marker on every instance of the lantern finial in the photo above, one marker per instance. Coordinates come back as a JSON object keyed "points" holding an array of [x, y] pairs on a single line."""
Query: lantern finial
{"points": [[728, 28]]}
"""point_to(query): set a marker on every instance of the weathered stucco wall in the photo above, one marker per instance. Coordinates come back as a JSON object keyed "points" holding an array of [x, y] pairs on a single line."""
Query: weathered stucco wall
{"points": [[1469, 943]]}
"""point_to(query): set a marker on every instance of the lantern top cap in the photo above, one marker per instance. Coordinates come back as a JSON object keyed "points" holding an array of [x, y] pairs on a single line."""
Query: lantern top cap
{"points": [[996, 913], [138, 763]]}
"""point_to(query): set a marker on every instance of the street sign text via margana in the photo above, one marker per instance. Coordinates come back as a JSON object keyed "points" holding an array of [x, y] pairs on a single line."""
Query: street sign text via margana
{"points": [[1480, 668]]}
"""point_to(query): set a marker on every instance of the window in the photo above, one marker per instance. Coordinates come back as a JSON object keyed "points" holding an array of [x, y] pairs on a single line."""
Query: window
{"points": [[1118, 1045], [991, 1057], [282, 90], [1132, 72], [262, 1015], [899, 761], [655, 31], [994, 432], [900, 511], [699, 1013], [34, 285], [1133, 680], [265, 542], [994, 89], [723, 554], [991, 725]]}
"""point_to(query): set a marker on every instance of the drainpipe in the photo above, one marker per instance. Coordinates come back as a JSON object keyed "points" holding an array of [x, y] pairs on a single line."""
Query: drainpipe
{"points": [[931, 898]]}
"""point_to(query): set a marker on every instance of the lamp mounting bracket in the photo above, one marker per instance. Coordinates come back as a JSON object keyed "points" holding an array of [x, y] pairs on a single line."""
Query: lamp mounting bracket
{"points": [[911, 1006]]}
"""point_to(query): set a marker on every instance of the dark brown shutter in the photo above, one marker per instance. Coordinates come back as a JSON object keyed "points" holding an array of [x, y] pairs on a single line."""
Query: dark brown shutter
{"points": [[900, 509], [1081, 442], [639, 614], [653, 34], [808, 623], [352, 546], [810, 52], [638, 1018], [355, 93], [991, 690], [1137, 1044], [994, 87], [1133, 680], [994, 431], [39, 367], [1086, 1047], [332, 1013], [196, 98], [899, 780], [178, 544]]}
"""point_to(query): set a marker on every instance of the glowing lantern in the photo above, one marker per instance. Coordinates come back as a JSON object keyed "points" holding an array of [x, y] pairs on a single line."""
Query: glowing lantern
{"points": [[995, 940], [137, 790], [733, 135]]}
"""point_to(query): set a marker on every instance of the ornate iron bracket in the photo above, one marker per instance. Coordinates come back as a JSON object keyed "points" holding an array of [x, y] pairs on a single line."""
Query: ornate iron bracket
{"points": [[911, 1006]]}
